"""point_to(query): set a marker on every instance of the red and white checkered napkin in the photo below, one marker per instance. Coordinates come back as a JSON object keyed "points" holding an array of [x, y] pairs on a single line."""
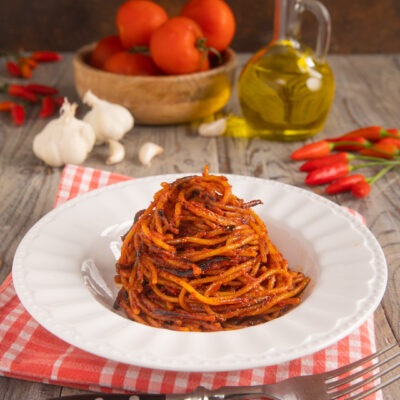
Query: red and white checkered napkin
{"points": [[28, 351]]}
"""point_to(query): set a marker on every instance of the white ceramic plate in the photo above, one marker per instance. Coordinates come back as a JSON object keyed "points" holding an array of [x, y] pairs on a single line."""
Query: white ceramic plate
{"points": [[63, 273]]}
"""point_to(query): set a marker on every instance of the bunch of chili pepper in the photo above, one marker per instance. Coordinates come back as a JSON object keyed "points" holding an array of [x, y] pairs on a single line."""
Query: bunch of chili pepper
{"points": [[374, 145], [21, 66], [22, 96]]}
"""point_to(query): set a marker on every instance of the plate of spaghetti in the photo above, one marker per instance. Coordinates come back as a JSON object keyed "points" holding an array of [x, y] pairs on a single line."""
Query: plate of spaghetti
{"points": [[200, 272]]}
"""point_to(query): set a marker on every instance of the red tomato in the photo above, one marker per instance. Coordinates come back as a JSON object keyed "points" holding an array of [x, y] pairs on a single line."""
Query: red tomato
{"points": [[174, 47], [137, 20], [205, 64], [216, 20], [131, 64], [105, 48]]}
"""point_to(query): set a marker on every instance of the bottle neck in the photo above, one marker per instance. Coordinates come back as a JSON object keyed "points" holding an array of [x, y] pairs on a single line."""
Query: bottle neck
{"points": [[287, 20]]}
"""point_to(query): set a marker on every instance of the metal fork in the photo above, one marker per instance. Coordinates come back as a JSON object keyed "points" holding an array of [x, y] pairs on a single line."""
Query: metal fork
{"points": [[323, 386]]}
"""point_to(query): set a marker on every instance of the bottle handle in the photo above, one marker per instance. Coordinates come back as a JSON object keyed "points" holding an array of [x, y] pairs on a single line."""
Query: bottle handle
{"points": [[324, 27]]}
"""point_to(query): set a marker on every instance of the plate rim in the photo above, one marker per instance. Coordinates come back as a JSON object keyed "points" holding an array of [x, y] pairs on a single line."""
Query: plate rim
{"points": [[17, 268]]}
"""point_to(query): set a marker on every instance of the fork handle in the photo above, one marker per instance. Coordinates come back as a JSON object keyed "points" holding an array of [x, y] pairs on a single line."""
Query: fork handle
{"points": [[228, 393], [200, 393], [111, 396]]}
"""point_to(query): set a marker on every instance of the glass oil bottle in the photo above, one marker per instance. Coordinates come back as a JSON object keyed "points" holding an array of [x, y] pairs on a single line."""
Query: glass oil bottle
{"points": [[286, 89]]}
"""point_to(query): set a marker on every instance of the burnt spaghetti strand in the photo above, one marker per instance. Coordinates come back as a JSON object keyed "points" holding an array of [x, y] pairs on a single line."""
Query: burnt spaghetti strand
{"points": [[200, 259]]}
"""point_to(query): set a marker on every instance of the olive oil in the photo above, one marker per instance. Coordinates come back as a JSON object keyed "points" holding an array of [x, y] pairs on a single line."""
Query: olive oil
{"points": [[284, 93], [286, 89]]}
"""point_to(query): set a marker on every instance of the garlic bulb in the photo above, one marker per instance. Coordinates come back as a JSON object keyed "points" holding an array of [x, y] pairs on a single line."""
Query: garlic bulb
{"points": [[108, 120], [65, 139], [148, 151], [116, 152], [214, 128]]}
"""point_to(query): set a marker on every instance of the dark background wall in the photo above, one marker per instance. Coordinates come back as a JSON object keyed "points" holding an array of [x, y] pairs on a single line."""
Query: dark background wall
{"points": [[359, 26]]}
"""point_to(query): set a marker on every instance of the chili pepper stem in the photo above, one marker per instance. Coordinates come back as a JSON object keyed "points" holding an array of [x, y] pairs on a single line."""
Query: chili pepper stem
{"points": [[385, 133], [379, 175], [4, 87], [10, 54], [391, 163], [349, 143], [359, 157]]}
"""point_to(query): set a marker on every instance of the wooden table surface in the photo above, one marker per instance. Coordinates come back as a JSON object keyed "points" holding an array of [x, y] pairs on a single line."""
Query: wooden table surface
{"points": [[367, 93]]}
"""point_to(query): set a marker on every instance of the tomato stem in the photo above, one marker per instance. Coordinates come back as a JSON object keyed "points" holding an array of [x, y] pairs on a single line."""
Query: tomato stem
{"points": [[202, 46], [139, 49]]}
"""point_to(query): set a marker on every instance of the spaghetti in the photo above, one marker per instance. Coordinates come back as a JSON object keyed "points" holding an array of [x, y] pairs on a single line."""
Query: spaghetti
{"points": [[199, 259]]}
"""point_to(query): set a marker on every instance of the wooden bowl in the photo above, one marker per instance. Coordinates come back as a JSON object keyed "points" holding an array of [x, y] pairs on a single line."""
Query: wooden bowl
{"points": [[159, 100]]}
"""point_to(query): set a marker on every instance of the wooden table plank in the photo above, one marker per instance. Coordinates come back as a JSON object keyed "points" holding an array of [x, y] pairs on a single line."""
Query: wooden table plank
{"points": [[367, 93], [13, 389]]}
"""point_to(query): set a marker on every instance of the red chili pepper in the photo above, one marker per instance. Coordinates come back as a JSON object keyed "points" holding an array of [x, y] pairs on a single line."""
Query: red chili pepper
{"points": [[45, 56], [324, 161], [322, 148], [18, 114], [48, 107], [344, 184], [383, 150], [371, 133], [42, 89], [361, 189], [6, 105], [390, 140], [59, 100], [26, 71], [327, 174], [28, 61], [394, 132], [13, 69], [22, 92], [312, 150], [349, 146]]}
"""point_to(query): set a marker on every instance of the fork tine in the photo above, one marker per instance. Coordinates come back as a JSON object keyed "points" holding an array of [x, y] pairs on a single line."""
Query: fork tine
{"points": [[339, 371], [356, 386], [374, 389], [352, 377]]}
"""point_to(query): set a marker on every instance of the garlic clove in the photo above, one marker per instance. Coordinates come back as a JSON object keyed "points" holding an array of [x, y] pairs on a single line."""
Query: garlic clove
{"points": [[214, 128], [108, 120], [116, 152], [64, 140], [148, 151], [91, 99]]}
